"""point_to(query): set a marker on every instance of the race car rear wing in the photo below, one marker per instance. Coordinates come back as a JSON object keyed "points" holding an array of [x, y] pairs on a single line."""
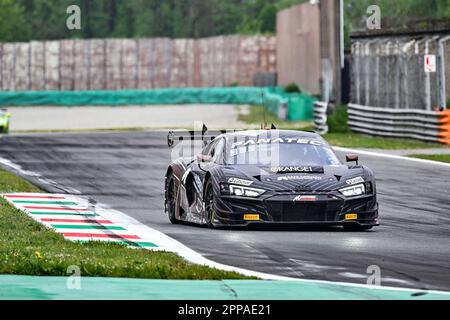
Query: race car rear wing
{"points": [[204, 135]]}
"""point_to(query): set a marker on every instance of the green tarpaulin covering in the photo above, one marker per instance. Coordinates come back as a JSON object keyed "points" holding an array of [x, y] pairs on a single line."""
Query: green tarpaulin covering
{"points": [[300, 106]]}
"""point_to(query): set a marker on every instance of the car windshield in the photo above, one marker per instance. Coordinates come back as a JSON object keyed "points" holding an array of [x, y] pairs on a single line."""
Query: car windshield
{"points": [[285, 154]]}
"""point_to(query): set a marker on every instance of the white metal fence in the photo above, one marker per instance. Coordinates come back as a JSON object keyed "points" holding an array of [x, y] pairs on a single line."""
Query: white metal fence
{"points": [[390, 72], [392, 93]]}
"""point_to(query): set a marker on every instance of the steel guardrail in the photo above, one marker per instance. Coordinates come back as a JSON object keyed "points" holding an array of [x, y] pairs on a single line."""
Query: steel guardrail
{"points": [[431, 126]]}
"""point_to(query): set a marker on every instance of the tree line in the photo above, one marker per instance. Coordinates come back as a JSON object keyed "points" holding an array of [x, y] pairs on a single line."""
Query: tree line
{"points": [[24, 20]]}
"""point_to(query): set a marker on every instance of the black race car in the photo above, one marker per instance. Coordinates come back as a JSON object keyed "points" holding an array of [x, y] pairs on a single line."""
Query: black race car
{"points": [[269, 177]]}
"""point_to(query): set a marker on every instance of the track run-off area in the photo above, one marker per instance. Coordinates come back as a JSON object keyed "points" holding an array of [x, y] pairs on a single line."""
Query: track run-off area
{"points": [[126, 171]]}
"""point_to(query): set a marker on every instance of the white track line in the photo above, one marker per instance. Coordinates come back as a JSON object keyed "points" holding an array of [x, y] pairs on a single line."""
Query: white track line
{"points": [[166, 243], [391, 156], [133, 227], [169, 244], [190, 255], [17, 168]]}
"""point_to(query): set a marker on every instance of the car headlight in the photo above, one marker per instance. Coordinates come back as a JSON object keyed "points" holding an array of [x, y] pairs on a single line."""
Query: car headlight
{"points": [[353, 191], [241, 191]]}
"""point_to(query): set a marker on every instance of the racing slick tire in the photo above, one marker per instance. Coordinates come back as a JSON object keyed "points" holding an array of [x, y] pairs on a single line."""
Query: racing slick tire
{"points": [[210, 210], [171, 198], [357, 228]]}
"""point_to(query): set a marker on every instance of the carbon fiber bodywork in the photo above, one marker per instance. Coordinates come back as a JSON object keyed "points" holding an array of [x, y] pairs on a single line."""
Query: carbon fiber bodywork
{"points": [[289, 197]]}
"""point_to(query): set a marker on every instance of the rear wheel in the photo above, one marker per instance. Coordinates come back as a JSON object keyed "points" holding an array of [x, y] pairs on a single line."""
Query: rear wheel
{"points": [[171, 198], [357, 228], [210, 210]]}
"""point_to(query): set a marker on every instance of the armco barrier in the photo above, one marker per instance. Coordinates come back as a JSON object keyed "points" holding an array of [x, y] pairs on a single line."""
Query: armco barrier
{"points": [[320, 117], [299, 105], [422, 125]]}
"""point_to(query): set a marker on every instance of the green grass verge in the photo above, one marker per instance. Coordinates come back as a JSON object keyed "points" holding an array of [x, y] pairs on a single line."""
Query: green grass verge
{"points": [[435, 157], [340, 135], [356, 140], [28, 248], [11, 183]]}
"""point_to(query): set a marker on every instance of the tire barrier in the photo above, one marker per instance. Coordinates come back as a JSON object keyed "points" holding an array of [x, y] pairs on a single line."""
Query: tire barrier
{"points": [[320, 117], [430, 126]]}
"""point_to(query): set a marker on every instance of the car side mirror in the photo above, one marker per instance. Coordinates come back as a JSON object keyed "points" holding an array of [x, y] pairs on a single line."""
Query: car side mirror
{"points": [[352, 158], [203, 158]]}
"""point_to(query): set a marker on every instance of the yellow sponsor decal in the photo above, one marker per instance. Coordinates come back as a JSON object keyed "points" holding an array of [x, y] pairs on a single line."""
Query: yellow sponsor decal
{"points": [[251, 217], [351, 216]]}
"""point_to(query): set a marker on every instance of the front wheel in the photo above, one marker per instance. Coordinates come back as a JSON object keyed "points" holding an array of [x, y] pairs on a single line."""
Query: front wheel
{"points": [[210, 210], [171, 198]]}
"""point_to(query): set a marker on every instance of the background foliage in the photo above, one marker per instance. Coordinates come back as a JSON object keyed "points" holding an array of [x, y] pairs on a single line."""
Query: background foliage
{"points": [[22, 20]]}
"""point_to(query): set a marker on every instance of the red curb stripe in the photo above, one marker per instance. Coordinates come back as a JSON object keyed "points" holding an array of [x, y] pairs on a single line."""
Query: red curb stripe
{"points": [[76, 221], [54, 208], [94, 235], [34, 197]]}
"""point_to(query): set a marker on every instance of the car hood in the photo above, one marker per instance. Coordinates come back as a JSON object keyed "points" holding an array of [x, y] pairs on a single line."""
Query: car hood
{"points": [[316, 178]]}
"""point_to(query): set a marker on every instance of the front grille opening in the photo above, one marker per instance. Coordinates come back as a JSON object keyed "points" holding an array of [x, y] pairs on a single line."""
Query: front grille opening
{"points": [[307, 212], [284, 211]]}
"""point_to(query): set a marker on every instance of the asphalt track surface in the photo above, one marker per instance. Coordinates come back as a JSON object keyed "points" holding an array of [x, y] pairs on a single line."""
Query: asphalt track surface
{"points": [[126, 171]]}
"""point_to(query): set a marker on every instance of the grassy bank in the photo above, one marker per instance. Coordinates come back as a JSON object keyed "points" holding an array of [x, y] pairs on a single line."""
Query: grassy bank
{"points": [[356, 140], [28, 248], [11, 183], [435, 157]]}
